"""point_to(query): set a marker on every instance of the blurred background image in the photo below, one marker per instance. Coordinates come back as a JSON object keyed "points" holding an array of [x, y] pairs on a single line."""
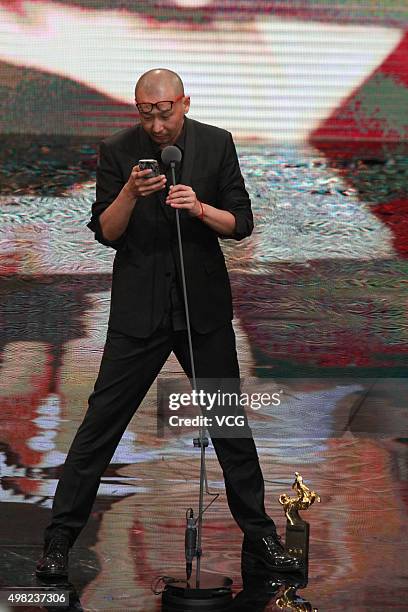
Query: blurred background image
{"points": [[315, 93]]}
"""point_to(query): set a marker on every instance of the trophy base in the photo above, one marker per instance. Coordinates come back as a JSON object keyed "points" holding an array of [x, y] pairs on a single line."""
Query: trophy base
{"points": [[297, 541]]}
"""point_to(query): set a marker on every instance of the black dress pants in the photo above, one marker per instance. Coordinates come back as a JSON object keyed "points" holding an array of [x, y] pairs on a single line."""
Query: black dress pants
{"points": [[128, 368]]}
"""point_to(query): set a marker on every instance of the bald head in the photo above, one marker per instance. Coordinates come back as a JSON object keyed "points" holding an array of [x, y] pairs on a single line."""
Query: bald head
{"points": [[159, 82], [162, 122]]}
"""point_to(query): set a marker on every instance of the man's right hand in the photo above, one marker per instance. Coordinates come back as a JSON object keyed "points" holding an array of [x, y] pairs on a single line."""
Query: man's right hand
{"points": [[140, 186]]}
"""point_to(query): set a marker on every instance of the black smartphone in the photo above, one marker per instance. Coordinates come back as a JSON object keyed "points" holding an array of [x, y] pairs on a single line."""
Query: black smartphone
{"points": [[150, 164]]}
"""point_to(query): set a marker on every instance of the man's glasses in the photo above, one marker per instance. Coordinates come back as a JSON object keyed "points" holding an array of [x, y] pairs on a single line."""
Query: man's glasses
{"points": [[163, 107]]}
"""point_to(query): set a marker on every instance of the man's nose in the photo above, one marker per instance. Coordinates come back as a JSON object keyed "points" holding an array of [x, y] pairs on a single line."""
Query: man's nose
{"points": [[157, 125]]}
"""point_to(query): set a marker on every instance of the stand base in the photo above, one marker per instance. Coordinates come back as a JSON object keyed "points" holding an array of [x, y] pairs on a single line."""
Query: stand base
{"points": [[213, 593]]}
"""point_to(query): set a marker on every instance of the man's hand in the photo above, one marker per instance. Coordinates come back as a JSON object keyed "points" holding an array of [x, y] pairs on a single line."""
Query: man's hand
{"points": [[221, 221], [139, 186], [182, 196]]}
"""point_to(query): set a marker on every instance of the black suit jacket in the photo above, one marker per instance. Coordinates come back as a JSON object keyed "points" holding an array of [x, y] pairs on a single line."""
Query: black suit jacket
{"points": [[140, 279]]}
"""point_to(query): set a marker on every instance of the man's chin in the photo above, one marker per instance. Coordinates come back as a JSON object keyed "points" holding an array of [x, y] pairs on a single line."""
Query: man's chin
{"points": [[162, 142]]}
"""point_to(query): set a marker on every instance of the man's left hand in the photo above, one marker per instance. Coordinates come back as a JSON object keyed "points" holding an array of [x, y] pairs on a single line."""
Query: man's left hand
{"points": [[182, 196]]}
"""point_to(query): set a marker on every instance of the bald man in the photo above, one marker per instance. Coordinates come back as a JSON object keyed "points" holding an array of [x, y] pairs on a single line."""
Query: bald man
{"points": [[134, 214]]}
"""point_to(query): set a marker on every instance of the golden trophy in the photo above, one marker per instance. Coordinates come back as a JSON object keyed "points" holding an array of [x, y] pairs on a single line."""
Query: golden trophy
{"points": [[290, 600], [297, 530]]}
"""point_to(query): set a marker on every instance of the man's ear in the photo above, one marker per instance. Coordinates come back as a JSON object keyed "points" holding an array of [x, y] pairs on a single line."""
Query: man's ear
{"points": [[186, 103]]}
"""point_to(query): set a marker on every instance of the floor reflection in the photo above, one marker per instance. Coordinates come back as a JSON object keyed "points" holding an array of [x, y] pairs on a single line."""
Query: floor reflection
{"points": [[136, 533]]}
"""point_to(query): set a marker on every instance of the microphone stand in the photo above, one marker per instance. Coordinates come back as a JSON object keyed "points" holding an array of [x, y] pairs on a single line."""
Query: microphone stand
{"points": [[201, 441], [210, 592]]}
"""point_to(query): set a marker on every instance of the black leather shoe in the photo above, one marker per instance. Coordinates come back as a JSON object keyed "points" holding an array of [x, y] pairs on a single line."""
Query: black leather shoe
{"points": [[265, 554], [54, 562]]}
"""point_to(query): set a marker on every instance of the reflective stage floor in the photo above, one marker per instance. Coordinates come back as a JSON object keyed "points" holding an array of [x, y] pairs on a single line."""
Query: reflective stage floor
{"points": [[350, 444]]}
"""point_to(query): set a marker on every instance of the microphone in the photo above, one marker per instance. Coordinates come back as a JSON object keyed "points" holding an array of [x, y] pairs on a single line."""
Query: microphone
{"points": [[170, 156], [190, 541]]}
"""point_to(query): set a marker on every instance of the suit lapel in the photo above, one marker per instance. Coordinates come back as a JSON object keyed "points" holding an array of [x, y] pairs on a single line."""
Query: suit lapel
{"points": [[189, 152]]}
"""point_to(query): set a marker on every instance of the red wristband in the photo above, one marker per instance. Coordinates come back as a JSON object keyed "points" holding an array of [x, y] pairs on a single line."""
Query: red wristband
{"points": [[201, 215]]}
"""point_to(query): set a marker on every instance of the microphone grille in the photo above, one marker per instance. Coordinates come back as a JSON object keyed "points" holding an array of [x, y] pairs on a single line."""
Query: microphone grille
{"points": [[170, 154]]}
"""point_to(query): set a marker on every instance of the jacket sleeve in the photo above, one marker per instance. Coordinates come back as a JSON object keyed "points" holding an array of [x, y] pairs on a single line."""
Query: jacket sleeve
{"points": [[232, 194], [109, 183]]}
